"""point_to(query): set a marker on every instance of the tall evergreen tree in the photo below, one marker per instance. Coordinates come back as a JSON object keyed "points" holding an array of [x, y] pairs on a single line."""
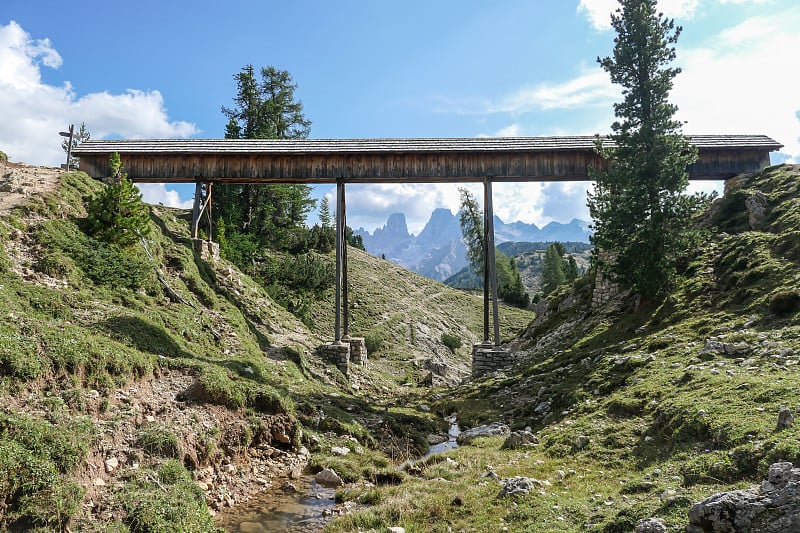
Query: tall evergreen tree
{"points": [[325, 218], [552, 268], [472, 231], [268, 215], [641, 214]]}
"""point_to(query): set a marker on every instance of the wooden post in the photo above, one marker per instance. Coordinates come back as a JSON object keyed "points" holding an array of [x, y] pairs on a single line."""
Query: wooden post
{"points": [[485, 268], [198, 202], [337, 339], [345, 299], [490, 258]]}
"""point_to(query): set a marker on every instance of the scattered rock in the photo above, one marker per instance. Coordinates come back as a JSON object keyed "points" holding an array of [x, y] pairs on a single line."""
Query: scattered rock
{"points": [[785, 419], [111, 464], [395, 529], [518, 485], [756, 205], [520, 439], [495, 429], [289, 487], [99, 482], [651, 525], [774, 507], [340, 450], [328, 478]]}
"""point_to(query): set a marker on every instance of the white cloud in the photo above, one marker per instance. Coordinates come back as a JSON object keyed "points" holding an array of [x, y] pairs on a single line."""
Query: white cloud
{"points": [[591, 86], [599, 11], [157, 193], [34, 112], [512, 130], [743, 81]]}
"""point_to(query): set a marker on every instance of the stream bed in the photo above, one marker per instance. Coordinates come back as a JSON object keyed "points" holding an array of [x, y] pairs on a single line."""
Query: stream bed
{"points": [[308, 509], [292, 512]]}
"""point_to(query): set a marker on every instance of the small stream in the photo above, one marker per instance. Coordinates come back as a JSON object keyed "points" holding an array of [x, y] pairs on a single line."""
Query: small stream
{"points": [[292, 512], [304, 511]]}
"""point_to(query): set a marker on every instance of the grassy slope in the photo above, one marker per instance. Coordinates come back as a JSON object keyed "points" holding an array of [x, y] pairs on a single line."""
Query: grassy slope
{"points": [[80, 321], [667, 424]]}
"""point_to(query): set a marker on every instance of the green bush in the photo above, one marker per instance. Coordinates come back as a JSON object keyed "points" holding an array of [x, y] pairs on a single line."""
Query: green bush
{"points": [[451, 341], [374, 342], [784, 302], [103, 263], [170, 503], [156, 439], [117, 214], [3, 157]]}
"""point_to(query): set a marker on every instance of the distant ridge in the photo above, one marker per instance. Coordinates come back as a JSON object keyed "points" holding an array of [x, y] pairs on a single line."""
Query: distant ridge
{"points": [[438, 253]]}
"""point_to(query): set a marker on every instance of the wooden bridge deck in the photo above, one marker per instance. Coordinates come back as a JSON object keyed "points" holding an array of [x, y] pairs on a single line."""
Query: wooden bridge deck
{"points": [[319, 161]]}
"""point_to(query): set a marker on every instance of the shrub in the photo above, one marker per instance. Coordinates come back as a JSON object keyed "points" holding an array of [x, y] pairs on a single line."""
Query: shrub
{"points": [[784, 302], [451, 341], [158, 440], [103, 263], [3, 157], [117, 215], [374, 342]]}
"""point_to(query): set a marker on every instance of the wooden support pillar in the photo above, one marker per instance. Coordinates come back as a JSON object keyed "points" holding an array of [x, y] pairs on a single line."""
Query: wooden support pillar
{"points": [[490, 264], [196, 207], [486, 282], [202, 205], [337, 338], [345, 299]]}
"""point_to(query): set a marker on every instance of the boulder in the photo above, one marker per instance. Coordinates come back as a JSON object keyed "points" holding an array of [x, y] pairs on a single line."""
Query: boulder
{"points": [[520, 439], [328, 478], [756, 205], [518, 485], [495, 429], [651, 525], [772, 507]]}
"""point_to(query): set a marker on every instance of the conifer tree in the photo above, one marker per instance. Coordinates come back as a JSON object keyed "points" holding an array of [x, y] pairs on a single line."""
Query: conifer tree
{"points": [[641, 214], [117, 214], [552, 269], [265, 215], [472, 230]]}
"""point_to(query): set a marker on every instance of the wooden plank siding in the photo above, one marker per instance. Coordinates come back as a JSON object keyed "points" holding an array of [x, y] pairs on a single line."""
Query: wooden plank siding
{"points": [[317, 161]]}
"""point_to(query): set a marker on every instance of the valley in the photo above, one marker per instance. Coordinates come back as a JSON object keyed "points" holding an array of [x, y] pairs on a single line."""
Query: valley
{"points": [[153, 393]]}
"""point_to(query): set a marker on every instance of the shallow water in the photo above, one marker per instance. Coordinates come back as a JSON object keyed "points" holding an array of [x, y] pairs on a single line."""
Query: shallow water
{"points": [[449, 444], [300, 512]]}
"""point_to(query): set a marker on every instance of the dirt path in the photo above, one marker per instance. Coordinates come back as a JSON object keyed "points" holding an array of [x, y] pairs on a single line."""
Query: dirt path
{"points": [[19, 181]]}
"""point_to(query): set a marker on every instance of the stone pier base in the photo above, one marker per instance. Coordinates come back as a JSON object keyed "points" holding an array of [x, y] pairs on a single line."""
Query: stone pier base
{"points": [[338, 354], [349, 350], [488, 358], [208, 250], [358, 350]]}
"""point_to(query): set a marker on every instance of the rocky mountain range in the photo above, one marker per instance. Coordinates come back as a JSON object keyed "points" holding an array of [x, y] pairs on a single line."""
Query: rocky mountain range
{"points": [[438, 253]]}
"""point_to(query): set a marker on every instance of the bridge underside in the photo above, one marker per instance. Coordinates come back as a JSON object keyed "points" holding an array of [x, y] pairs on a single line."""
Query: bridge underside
{"points": [[342, 161]]}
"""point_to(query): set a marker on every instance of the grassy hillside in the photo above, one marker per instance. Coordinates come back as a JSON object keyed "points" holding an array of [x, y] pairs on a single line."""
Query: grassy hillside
{"points": [[141, 390], [639, 411]]}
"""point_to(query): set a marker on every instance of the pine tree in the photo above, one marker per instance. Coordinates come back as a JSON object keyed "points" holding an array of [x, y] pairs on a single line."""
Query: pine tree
{"points": [[325, 218], [509, 281], [117, 214], [270, 215], [472, 230], [641, 216], [552, 269]]}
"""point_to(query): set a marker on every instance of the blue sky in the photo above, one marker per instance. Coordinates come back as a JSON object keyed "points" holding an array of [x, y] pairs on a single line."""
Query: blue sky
{"points": [[449, 68]]}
